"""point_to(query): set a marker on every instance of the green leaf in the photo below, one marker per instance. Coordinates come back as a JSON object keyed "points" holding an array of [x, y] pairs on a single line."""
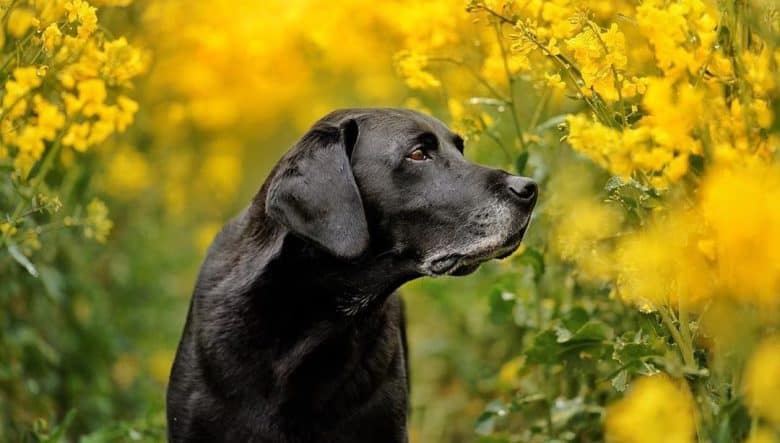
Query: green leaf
{"points": [[696, 163], [553, 122], [501, 304], [535, 259], [22, 260], [593, 330], [520, 162], [545, 348], [52, 281], [486, 422], [620, 381], [576, 318], [631, 352], [58, 433]]}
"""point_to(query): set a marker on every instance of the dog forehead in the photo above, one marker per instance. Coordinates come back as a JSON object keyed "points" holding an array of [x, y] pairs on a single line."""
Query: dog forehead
{"points": [[403, 124]]}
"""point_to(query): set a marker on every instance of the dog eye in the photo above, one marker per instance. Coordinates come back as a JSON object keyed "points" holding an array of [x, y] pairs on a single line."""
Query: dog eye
{"points": [[418, 155]]}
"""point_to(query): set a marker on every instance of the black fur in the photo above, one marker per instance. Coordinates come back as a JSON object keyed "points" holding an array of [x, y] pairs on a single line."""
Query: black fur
{"points": [[294, 332]]}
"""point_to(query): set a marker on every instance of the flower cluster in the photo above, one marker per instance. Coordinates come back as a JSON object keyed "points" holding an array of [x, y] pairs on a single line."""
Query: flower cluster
{"points": [[64, 85], [678, 101]]}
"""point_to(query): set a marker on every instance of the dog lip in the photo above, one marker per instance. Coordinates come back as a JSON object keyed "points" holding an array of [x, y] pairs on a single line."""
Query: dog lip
{"points": [[443, 265], [463, 264]]}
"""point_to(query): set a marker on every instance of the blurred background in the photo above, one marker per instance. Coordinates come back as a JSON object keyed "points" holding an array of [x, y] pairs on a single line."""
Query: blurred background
{"points": [[104, 226]]}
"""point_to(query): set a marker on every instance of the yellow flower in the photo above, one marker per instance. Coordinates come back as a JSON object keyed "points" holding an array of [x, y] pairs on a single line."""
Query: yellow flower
{"points": [[205, 235], [656, 409], [128, 173], [30, 140], [84, 13], [661, 265], [52, 37], [412, 66], [112, 2], [763, 435], [92, 93], [122, 61], [77, 136], [222, 172], [50, 119], [27, 77], [600, 56], [761, 381], [741, 207], [96, 223], [73, 7], [20, 21], [7, 229], [125, 370], [159, 365], [127, 110], [554, 81]]}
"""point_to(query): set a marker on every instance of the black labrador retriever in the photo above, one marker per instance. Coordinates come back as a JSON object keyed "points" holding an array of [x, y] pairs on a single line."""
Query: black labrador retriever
{"points": [[294, 332]]}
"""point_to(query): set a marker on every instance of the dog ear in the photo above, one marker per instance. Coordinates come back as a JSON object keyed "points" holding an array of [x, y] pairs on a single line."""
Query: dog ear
{"points": [[315, 196]]}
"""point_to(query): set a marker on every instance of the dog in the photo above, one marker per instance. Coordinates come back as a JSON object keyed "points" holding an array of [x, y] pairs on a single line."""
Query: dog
{"points": [[295, 333]]}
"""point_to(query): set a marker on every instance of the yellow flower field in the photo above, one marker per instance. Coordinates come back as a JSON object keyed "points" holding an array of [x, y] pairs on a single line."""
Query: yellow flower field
{"points": [[644, 305]]}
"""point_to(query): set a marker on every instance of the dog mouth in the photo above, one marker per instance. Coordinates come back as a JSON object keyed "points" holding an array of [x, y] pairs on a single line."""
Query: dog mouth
{"points": [[458, 264]]}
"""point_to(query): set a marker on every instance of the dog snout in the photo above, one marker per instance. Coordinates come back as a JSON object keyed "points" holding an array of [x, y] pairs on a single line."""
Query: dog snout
{"points": [[524, 189]]}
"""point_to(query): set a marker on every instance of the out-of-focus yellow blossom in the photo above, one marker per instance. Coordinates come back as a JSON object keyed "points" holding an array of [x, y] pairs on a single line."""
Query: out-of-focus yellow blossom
{"points": [[112, 2], [222, 172], [77, 136], [96, 223], [741, 208], [121, 62], [35, 114], [127, 108], [682, 33], [581, 223], [159, 365], [205, 235], [762, 435], [673, 113], [52, 37], [726, 245], [761, 382], [16, 91], [759, 72], [656, 409], [125, 370], [85, 14], [31, 242], [601, 58], [661, 265], [20, 20], [50, 119], [555, 82], [412, 66], [92, 93], [7, 229]]}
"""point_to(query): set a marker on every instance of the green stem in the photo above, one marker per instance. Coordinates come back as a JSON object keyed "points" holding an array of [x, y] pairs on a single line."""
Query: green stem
{"points": [[685, 350], [46, 165], [618, 84], [511, 84]]}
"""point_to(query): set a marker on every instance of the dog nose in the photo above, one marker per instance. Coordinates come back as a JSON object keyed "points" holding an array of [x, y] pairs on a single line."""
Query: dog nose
{"points": [[525, 189]]}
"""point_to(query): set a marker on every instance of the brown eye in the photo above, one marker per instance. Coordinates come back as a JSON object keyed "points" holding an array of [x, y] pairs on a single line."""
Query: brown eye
{"points": [[417, 155]]}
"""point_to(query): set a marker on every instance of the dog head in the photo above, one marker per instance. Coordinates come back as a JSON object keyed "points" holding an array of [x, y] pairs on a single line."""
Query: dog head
{"points": [[364, 183]]}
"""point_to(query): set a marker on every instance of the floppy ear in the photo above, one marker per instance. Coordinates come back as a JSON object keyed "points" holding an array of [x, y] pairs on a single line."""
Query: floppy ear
{"points": [[315, 196]]}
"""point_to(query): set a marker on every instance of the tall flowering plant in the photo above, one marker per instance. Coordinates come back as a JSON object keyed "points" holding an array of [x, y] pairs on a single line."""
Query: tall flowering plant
{"points": [[675, 213], [65, 90]]}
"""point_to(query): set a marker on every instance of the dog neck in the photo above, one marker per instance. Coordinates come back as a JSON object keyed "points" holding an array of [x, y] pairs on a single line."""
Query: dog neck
{"points": [[290, 273]]}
